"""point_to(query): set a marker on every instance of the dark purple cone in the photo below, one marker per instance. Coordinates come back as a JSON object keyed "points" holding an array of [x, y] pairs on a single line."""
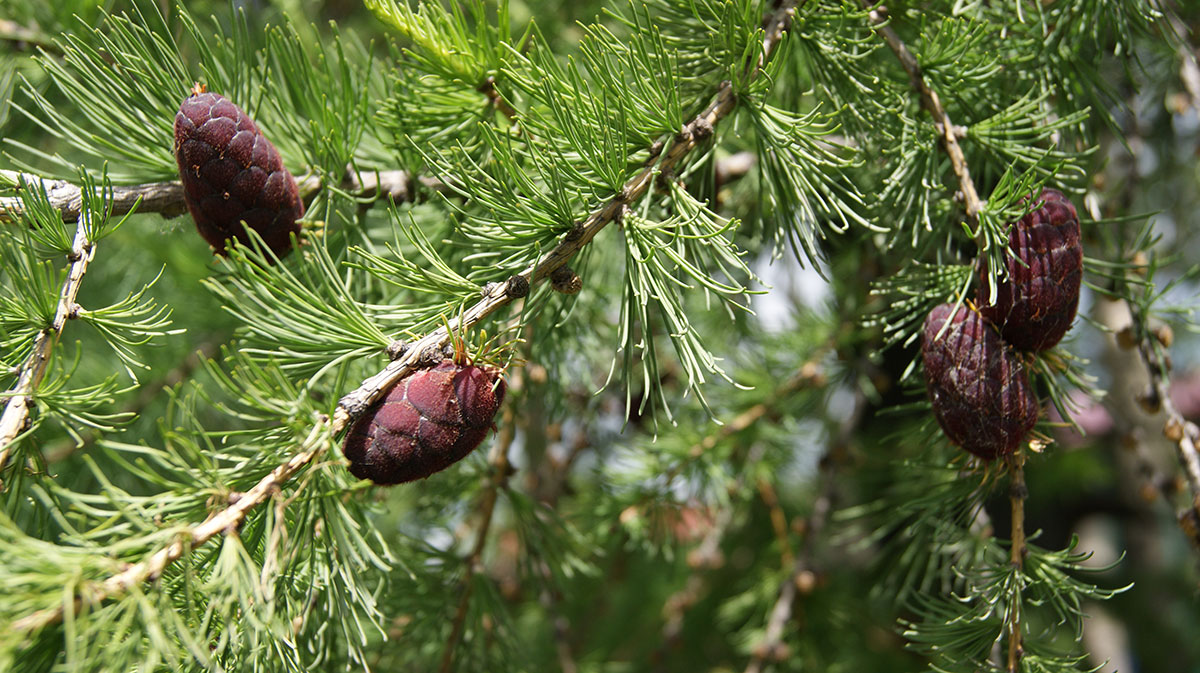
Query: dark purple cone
{"points": [[428, 421], [232, 173], [981, 396], [1035, 304]]}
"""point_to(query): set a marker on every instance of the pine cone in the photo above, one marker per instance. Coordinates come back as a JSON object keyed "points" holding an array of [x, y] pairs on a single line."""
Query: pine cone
{"points": [[428, 421], [981, 396], [1036, 302], [232, 174]]}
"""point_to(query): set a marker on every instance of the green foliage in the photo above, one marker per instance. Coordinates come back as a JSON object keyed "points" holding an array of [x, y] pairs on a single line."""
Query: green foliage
{"points": [[685, 453]]}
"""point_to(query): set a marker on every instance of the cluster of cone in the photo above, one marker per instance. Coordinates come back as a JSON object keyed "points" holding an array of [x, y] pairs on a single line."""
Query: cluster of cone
{"points": [[978, 387]]}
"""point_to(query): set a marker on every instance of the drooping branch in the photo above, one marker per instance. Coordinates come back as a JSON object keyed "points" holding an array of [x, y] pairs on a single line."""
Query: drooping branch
{"points": [[20, 398], [707, 554], [800, 578], [226, 520], [166, 198], [495, 296], [948, 133]]}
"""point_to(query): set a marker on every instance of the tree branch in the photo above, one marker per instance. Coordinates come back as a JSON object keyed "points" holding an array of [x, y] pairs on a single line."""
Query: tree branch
{"points": [[20, 398], [488, 88], [808, 375], [948, 133], [1183, 434], [772, 647], [166, 198], [498, 295], [227, 520]]}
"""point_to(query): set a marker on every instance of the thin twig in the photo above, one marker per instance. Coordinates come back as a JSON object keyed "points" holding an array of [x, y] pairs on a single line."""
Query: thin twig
{"points": [[20, 398], [808, 375], [488, 88], [1189, 69], [772, 647], [779, 521], [494, 298], [166, 198], [499, 478], [948, 133], [1183, 434], [706, 556], [225, 521], [1017, 492]]}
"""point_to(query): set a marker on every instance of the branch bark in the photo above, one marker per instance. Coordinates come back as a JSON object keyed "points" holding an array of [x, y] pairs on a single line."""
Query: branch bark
{"points": [[497, 295], [16, 412], [166, 198], [1017, 492], [1183, 434]]}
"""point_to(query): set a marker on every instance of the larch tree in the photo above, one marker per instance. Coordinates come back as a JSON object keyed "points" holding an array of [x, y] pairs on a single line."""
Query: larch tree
{"points": [[683, 258]]}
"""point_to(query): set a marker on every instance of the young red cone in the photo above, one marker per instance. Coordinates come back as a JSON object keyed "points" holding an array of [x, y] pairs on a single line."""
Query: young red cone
{"points": [[1036, 302], [980, 394], [232, 174], [428, 421]]}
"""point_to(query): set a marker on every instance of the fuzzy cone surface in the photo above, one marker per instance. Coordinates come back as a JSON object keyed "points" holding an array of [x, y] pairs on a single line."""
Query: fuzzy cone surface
{"points": [[231, 173], [428, 421], [980, 393], [1036, 302]]}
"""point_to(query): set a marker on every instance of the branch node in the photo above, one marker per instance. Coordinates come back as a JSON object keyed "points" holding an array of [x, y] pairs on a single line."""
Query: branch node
{"points": [[431, 355], [665, 176], [517, 286], [655, 150], [1149, 400], [397, 349], [565, 280], [574, 233], [1173, 430]]}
